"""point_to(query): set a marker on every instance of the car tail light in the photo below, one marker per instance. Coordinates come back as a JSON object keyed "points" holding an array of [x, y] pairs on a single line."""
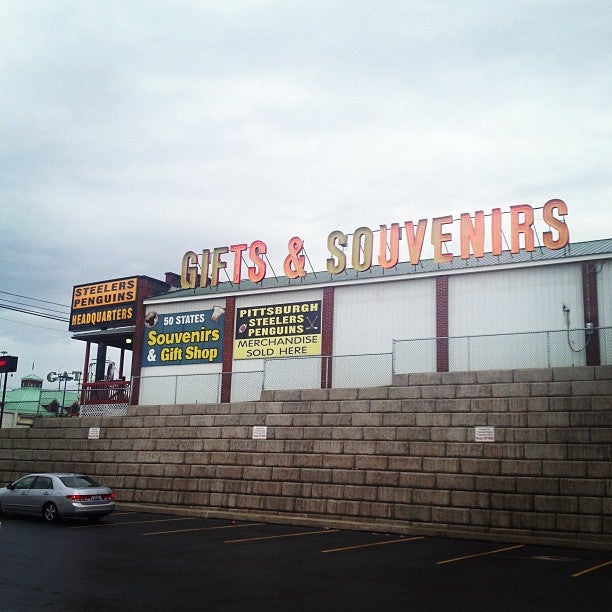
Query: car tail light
{"points": [[88, 497]]}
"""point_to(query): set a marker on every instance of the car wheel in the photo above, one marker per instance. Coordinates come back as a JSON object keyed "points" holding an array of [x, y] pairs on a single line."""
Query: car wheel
{"points": [[50, 513]]}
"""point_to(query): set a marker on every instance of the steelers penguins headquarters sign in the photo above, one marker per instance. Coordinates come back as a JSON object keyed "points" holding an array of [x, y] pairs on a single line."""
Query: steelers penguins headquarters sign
{"points": [[104, 305]]}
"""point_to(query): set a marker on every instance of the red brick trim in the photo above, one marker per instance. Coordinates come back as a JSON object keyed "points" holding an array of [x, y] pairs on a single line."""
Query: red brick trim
{"points": [[442, 323], [327, 337], [591, 312], [228, 349]]}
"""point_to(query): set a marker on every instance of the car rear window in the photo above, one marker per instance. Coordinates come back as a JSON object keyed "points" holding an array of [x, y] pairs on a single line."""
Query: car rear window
{"points": [[79, 482]]}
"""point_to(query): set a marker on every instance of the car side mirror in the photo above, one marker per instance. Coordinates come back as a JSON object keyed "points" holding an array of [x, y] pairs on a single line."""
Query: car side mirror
{"points": [[10, 486]]}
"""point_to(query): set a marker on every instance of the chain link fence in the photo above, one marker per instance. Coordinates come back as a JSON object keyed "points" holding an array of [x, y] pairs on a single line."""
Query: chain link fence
{"points": [[547, 349], [198, 388], [338, 371]]}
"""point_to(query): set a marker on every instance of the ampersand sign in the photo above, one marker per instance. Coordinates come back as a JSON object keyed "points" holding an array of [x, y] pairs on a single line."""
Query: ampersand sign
{"points": [[294, 262]]}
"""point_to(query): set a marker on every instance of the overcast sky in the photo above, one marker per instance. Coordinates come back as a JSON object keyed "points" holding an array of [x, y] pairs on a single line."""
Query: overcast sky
{"points": [[131, 132]]}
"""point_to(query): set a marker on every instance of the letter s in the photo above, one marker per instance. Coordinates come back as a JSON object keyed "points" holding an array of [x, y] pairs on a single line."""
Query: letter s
{"points": [[548, 214], [333, 240]]}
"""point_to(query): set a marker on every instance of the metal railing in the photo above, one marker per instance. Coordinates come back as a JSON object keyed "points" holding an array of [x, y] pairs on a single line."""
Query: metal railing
{"points": [[105, 392], [545, 349], [105, 398]]}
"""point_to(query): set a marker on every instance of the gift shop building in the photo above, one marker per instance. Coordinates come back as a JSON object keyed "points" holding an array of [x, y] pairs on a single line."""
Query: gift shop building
{"points": [[532, 300]]}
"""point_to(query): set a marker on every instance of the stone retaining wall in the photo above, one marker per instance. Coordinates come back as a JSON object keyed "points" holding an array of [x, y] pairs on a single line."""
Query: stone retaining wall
{"points": [[401, 458]]}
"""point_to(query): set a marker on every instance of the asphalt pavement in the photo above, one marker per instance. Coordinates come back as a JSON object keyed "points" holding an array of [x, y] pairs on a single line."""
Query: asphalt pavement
{"points": [[134, 561]]}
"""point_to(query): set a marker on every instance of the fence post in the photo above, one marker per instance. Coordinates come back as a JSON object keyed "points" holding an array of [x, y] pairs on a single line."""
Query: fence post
{"points": [[134, 378], [469, 353]]}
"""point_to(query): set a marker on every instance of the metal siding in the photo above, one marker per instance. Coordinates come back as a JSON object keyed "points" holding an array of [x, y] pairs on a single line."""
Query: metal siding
{"points": [[514, 301], [604, 298], [367, 320], [604, 293], [369, 317]]}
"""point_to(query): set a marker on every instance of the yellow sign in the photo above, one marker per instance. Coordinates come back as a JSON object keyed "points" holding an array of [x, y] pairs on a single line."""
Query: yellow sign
{"points": [[280, 330], [105, 293], [105, 304]]}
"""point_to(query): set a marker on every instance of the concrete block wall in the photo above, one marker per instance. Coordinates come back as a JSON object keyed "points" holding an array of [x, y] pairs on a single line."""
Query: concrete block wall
{"points": [[401, 458]]}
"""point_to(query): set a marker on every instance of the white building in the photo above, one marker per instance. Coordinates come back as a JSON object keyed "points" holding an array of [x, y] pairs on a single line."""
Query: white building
{"points": [[532, 309]]}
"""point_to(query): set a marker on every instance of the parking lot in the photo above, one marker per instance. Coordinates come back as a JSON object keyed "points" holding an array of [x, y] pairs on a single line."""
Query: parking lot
{"points": [[133, 561]]}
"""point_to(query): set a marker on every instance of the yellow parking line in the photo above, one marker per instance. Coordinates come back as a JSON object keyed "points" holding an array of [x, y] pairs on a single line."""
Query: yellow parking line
{"points": [[330, 550], [483, 554], [591, 569], [201, 529], [284, 535]]}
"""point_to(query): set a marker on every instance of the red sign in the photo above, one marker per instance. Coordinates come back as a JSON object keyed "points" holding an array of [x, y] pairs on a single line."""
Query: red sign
{"points": [[8, 364]]}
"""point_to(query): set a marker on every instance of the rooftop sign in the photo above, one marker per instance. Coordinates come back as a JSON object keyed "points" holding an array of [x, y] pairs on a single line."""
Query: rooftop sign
{"points": [[474, 232], [103, 305]]}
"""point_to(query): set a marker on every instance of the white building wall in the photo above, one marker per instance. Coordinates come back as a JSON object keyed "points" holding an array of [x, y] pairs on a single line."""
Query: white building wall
{"points": [[369, 317], [514, 301], [497, 319], [604, 298]]}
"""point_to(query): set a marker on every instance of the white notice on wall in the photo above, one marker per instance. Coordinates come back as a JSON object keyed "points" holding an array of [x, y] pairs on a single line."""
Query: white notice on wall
{"points": [[94, 433], [260, 432], [484, 434]]}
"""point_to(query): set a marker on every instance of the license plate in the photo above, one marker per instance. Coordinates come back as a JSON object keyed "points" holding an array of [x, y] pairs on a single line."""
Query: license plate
{"points": [[96, 497]]}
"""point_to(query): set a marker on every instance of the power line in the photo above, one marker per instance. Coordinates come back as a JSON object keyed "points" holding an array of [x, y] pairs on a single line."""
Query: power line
{"points": [[34, 299], [60, 331], [37, 307], [35, 313]]}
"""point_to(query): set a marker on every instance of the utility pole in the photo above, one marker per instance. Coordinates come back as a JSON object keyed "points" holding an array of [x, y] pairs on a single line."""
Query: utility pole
{"points": [[65, 377]]}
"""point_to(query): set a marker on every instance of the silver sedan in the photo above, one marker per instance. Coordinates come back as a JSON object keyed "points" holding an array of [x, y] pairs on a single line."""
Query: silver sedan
{"points": [[55, 495]]}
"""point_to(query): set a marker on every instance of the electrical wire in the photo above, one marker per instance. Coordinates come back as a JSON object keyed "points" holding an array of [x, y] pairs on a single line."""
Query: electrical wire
{"points": [[64, 319], [36, 308], [586, 344], [35, 299], [44, 308], [59, 331]]}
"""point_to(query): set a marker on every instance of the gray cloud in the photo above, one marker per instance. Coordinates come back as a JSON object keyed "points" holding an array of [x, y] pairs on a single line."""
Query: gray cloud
{"points": [[132, 132]]}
